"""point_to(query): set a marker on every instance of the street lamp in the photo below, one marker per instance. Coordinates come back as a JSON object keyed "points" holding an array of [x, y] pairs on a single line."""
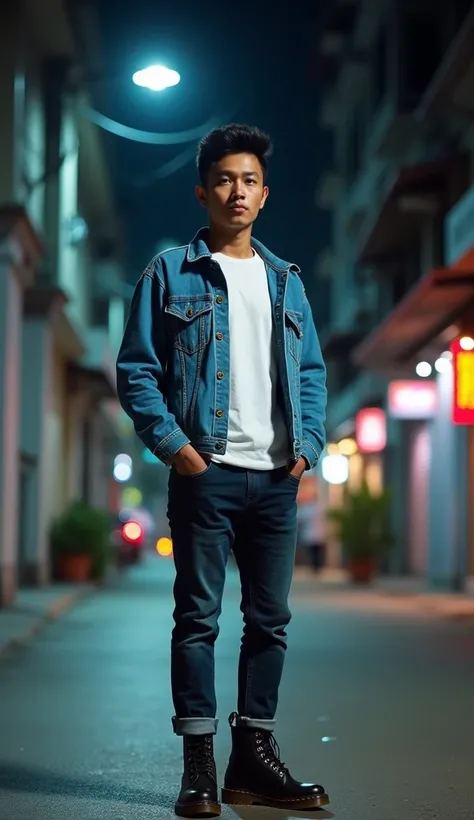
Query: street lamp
{"points": [[156, 77]]}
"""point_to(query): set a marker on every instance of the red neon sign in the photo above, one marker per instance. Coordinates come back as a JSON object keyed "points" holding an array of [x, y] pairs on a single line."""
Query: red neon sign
{"points": [[463, 381], [371, 430]]}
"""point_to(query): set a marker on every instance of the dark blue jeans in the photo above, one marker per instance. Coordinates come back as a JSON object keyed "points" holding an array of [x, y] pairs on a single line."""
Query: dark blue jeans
{"points": [[252, 513]]}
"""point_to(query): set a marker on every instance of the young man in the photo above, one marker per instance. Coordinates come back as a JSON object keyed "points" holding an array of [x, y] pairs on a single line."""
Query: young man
{"points": [[221, 371]]}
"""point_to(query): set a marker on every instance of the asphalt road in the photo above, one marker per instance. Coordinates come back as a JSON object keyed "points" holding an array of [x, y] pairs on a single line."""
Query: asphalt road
{"points": [[378, 706]]}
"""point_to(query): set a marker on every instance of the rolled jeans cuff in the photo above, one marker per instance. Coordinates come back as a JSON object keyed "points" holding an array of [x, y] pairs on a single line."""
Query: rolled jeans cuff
{"points": [[254, 723], [194, 726]]}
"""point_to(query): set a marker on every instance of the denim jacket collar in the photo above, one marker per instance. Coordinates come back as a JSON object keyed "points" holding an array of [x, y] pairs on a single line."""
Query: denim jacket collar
{"points": [[198, 249]]}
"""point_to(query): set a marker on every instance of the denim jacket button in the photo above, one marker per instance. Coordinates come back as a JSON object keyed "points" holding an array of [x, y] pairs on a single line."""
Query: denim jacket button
{"points": [[220, 375], [219, 445], [219, 413], [219, 300], [219, 337]]}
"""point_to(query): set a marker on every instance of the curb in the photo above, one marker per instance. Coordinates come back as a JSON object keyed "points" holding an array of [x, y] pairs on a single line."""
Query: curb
{"points": [[453, 607], [52, 613]]}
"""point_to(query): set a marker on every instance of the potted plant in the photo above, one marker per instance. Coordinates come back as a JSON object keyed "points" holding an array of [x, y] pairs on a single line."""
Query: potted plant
{"points": [[80, 543], [362, 526]]}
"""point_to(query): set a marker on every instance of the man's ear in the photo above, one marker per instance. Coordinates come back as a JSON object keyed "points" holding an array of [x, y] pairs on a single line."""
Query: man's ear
{"points": [[264, 196], [201, 195]]}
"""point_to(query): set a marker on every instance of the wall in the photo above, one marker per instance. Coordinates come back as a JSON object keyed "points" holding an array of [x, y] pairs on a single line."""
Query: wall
{"points": [[448, 517], [34, 155], [55, 435]]}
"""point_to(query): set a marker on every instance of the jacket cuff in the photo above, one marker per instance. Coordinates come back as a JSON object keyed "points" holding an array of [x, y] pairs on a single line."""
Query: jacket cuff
{"points": [[169, 446], [310, 454]]}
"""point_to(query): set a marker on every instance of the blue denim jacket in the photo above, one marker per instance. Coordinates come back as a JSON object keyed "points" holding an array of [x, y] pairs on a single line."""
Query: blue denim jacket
{"points": [[173, 364]]}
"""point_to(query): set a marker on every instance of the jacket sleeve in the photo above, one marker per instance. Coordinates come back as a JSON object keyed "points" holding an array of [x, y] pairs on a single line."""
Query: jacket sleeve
{"points": [[141, 365], [313, 393]]}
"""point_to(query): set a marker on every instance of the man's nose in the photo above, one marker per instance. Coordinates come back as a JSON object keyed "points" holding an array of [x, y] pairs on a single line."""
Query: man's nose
{"points": [[238, 189]]}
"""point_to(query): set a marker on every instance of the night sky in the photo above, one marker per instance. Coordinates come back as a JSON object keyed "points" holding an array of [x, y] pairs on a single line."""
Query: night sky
{"points": [[240, 62]]}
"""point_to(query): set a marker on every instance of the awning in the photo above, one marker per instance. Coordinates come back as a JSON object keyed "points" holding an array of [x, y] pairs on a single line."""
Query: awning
{"points": [[456, 66], [428, 309], [412, 192]]}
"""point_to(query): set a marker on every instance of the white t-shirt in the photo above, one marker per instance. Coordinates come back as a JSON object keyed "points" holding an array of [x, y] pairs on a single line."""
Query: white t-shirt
{"points": [[257, 437]]}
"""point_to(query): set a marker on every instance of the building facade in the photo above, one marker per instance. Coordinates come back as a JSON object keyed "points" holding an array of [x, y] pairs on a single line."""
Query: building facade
{"points": [[60, 320], [399, 100]]}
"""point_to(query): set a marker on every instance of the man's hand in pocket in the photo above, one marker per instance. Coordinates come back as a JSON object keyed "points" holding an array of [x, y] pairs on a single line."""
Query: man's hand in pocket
{"points": [[189, 462]]}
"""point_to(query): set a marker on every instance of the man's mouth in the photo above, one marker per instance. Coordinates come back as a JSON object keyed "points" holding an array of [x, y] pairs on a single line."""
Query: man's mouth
{"points": [[238, 209]]}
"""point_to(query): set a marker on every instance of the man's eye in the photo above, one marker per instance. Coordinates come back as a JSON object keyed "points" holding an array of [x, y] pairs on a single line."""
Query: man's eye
{"points": [[222, 180], [251, 181]]}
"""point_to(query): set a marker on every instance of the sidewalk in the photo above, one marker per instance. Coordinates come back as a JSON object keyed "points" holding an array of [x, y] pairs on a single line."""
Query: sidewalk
{"points": [[386, 592], [36, 607]]}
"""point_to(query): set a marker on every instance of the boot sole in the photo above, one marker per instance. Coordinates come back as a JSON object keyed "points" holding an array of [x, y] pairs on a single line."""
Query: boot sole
{"points": [[197, 809], [234, 797]]}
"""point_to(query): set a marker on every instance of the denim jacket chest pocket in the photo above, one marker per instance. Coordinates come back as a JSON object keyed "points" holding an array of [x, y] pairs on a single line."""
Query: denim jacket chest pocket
{"points": [[294, 334], [191, 321]]}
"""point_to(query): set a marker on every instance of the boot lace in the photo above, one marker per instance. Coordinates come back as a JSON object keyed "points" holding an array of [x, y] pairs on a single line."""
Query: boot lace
{"points": [[269, 751], [201, 758]]}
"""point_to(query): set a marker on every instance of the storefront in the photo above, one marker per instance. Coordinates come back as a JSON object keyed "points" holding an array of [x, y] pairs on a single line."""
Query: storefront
{"points": [[411, 404], [459, 240], [358, 457], [430, 451]]}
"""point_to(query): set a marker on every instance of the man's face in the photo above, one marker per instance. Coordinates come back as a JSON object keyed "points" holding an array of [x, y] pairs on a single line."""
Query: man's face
{"points": [[234, 193]]}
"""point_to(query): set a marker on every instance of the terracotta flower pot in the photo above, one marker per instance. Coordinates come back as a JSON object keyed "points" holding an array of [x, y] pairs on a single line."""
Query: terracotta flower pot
{"points": [[362, 570], [76, 568]]}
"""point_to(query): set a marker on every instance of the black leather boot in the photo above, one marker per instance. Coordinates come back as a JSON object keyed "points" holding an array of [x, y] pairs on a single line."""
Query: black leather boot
{"points": [[256, 776], [198, 796]]}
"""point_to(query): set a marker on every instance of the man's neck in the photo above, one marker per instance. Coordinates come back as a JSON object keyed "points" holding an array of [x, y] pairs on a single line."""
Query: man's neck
{"points": [[236, 245]]}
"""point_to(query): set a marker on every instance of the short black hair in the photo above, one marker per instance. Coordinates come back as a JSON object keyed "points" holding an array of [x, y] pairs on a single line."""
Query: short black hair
{"points": [[232, 139]]}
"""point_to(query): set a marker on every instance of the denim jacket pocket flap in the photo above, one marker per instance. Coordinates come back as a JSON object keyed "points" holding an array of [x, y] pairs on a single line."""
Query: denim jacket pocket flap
{"points": [[189, 308], [191, 319], [295, 321]]}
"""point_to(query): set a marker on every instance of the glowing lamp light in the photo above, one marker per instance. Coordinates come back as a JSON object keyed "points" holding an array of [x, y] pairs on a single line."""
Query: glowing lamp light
{"points": [[132, 497], [371, 430], [132, 531], [164, 547], [122, 458], [122, 472], [442, 365], [335, 469], [466, 343], [413, 399], [347, 447], [125, 515], [332, 449], [423, 369], [156, 78], [122, 467]]}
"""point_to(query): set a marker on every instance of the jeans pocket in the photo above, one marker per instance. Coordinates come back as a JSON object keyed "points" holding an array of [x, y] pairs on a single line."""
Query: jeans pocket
{"points": [[294, 478], [193, 476]]}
